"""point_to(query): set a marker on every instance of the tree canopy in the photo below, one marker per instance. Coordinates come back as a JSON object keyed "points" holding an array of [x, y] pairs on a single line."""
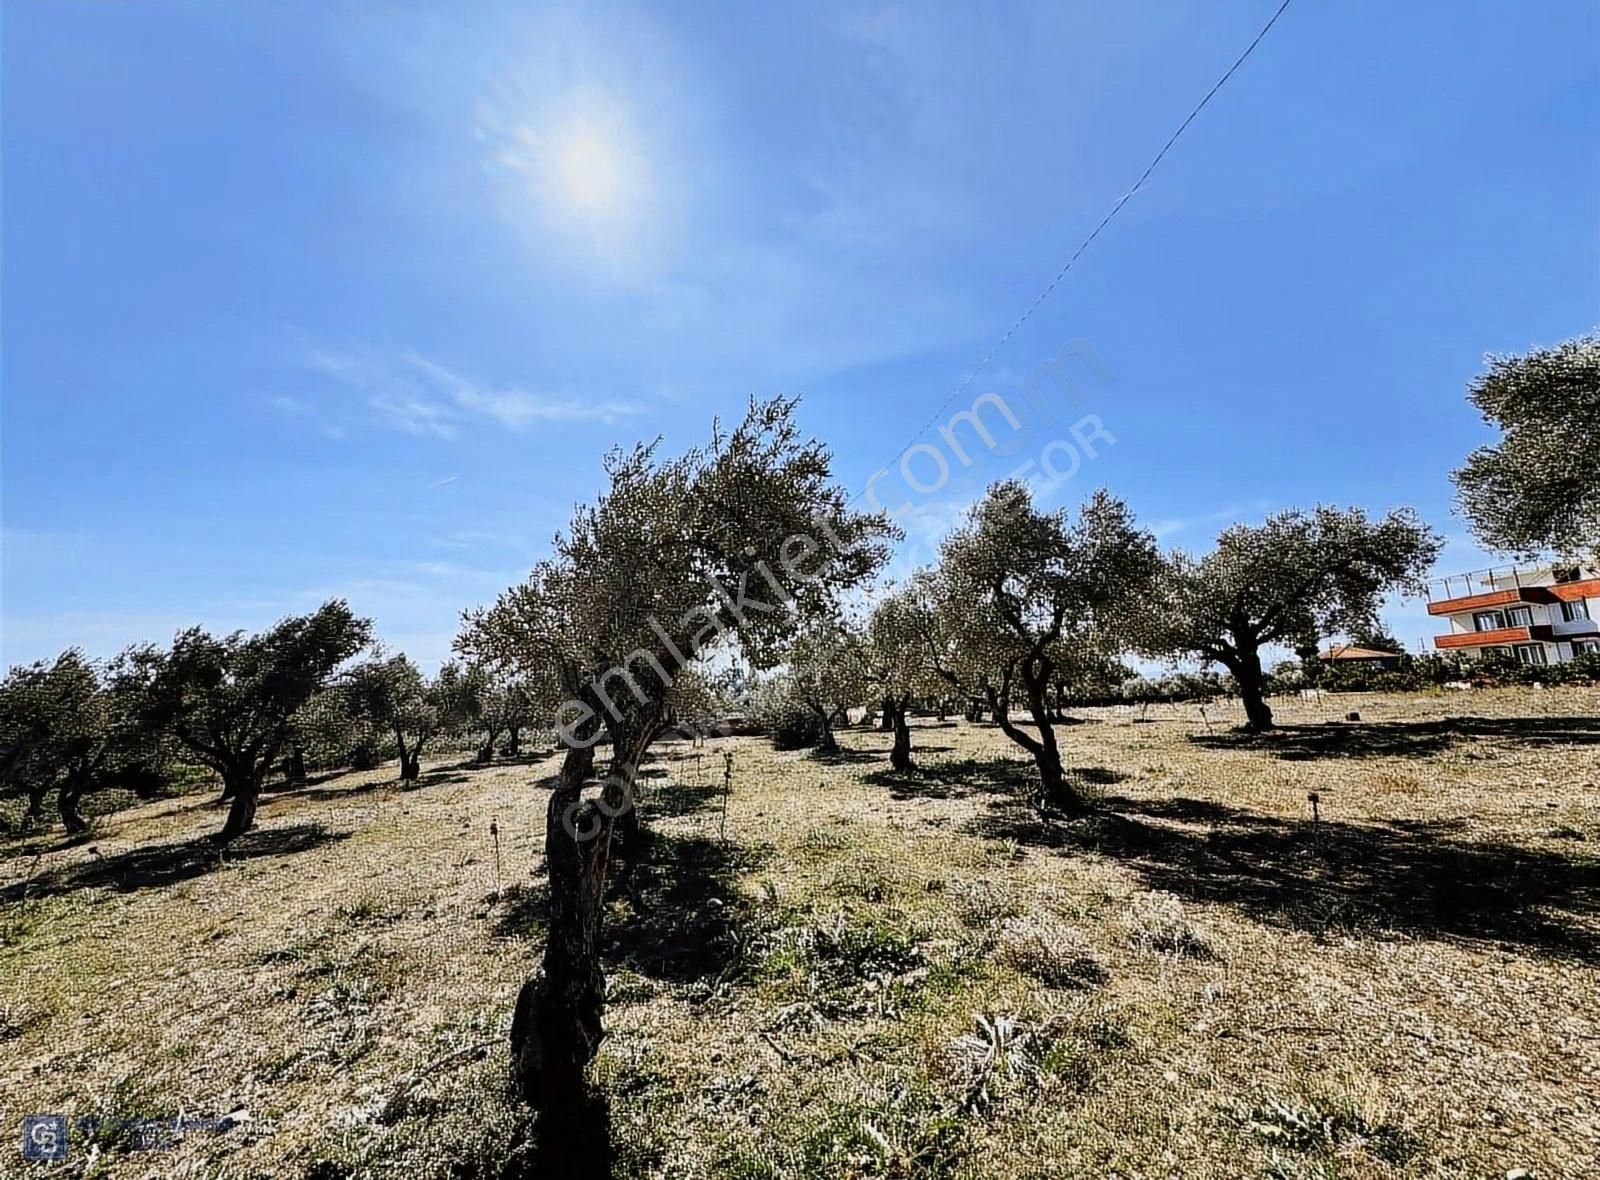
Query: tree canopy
{"points": [[70, 726], [738, 542], [828, 672], [1022, 596], [392, 693], [898, 663], [1538, 489], [231, 700], [1293, 580]]}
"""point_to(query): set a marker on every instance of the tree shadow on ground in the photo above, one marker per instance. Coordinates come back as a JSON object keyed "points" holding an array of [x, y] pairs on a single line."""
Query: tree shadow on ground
{"points": [[1418, 878], [324, 794], [689, 919], [161, 865], [1403, 739], [434, 778], [283, 785], [523, 910], [845, 756], [673, 800], [962, 778]]}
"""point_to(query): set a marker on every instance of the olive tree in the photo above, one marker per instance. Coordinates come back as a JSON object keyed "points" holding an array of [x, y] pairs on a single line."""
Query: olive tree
{"points": [[392, 693], [230, 701], [1290, 581], [495, 704], [68, 727], [827, 673], [735, 543], [1021, 597], [898, 664], [1537, 489]]}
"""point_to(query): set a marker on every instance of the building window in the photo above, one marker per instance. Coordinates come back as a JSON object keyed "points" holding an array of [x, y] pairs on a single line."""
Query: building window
{"points": [[1519, 616], [1586, 647], [1488, 620], [1572, 611], [1531, 653]]}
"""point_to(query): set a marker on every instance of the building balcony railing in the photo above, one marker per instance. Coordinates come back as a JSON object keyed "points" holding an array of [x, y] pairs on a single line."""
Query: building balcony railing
{"points": [[1491, 598], [1499, 637], [1504, 585], [1504, 636], [1572, 591]]}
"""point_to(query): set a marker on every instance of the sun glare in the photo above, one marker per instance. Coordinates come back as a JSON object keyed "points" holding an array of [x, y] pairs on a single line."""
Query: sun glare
{"points": [[581, 178], [588, 172]]}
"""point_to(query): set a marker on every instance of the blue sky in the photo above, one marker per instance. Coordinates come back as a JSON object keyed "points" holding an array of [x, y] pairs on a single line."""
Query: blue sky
{"points": [[305, 300]]}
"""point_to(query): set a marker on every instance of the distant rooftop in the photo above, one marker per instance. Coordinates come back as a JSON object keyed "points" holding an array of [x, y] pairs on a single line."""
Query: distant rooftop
{"points": [[1348, 651]]}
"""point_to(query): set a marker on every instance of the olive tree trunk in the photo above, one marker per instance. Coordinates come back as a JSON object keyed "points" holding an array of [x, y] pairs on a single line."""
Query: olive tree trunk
{"points": [[900, 752], [1055, 789], [67, 803], [242, 788], [485, 753], [1252, 682], [557, 1027], [827, 743]]}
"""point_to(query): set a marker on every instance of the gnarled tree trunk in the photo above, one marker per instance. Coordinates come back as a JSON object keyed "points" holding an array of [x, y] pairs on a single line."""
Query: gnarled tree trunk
{"points": [[1054, 788], [67, 803], [900, 752], [556, 1028], [35, 813], [1058, 792], [1252, 682], [241, 787], [827, 743], [485, 753]]}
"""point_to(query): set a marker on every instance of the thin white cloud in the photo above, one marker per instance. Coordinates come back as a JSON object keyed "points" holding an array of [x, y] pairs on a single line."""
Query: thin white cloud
{"points": [[414, 415], [424, 398], [1177, 524], [516, 409], [306, 414]]}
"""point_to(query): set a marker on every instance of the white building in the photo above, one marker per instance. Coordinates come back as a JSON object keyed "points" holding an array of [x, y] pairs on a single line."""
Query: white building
{"points": [[1542, 615]]}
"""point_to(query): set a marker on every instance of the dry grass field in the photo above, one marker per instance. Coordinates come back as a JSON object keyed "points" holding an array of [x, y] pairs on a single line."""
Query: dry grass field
{"points": [[871, 974]]}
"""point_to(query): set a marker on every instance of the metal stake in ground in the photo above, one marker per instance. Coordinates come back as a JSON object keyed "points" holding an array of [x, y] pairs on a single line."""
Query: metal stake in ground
{"points": [[494, 834], [727, 789]]}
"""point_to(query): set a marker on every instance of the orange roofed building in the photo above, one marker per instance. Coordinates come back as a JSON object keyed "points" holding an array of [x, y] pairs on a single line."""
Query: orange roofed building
{"points": [[1541, 615]]}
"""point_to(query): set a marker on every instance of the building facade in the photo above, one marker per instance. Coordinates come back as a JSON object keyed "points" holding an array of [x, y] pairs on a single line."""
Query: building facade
{"points": [[1540, 615]]}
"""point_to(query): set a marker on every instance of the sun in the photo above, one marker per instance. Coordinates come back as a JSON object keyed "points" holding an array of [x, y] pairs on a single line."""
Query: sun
{"points": [[582, 179], [588, 172]]}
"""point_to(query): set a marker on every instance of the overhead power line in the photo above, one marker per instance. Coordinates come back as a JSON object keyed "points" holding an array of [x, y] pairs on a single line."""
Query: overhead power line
{"points": [[1104, 221]]}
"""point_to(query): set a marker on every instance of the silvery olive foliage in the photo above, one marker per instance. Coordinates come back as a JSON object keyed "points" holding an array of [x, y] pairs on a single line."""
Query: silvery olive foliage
{"points": [[70, 726], [1291, 581], [1024, 599], [896, 650], [230, 701], [1020, 594], [1538, 489], [827, 670], [735, 543]]}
